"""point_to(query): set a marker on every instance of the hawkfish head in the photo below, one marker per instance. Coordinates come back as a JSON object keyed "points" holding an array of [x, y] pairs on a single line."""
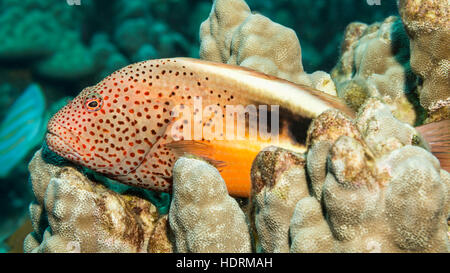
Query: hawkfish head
{"points": [[103, 128]]}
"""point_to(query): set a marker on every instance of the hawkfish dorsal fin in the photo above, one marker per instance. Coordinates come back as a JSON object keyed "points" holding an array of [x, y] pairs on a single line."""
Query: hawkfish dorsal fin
{"points": [[267, 89]]}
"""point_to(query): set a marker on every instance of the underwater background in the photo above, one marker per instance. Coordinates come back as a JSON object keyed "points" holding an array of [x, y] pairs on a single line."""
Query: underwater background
{"points": [[51, 49]]}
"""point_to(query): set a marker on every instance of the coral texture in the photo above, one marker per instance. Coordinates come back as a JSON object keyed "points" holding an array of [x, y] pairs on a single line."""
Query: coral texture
{"points": [[320, 23], [203, 217], [374, 188], [279, 182], [161, 238], [374, 62], [74, 214], [233, 35], [428, 27]]}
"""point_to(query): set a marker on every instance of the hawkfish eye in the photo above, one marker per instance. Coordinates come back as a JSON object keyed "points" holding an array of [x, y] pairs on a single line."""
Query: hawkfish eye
{"points": [[93, 102]]}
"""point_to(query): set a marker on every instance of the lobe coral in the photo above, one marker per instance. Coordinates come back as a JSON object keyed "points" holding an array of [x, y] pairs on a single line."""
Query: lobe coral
{"points": [[234, 35], [368, 184], [428, 26]]}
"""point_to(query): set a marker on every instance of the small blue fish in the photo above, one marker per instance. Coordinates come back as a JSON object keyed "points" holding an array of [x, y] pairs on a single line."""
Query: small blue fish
{"points": [[22, 129]]}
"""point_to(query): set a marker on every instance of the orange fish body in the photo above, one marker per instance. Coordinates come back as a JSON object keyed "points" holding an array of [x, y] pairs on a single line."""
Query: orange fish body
{"points": [[123, 127]]}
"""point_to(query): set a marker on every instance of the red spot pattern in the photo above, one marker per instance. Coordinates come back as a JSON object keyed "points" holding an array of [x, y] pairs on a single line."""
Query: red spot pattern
{"points": [[125, 138]]}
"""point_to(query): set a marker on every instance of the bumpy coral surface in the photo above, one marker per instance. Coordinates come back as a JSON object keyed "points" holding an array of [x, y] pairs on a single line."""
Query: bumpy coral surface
{"points": [[233, 35], [74, 214], [203, 217], [320, 23], [428, 27], [278, 183], [375, 63], [367, 185], [161, 238], [375, 188]]}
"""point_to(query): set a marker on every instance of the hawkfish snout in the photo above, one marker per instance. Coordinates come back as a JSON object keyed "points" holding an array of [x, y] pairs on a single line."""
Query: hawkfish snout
{"points": [[63, 141]]}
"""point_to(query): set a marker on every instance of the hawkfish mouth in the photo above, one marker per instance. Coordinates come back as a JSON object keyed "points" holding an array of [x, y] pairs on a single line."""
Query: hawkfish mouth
{"points": [[61, 147]]}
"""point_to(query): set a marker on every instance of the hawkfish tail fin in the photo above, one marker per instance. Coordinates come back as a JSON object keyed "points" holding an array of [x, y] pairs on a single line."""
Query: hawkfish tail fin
{"points": [[437, 134]]}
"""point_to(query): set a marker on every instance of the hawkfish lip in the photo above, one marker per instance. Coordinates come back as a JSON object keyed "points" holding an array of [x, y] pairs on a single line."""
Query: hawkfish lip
{"points": [[66, 150]]}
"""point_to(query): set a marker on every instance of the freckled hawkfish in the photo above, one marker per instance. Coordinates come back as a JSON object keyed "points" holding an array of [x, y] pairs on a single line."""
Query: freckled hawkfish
{"points": [[123, 127]]}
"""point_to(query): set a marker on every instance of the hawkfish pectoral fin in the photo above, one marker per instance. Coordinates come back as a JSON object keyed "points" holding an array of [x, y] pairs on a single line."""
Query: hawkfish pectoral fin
{"points": [[233, 159], [201, 149]]}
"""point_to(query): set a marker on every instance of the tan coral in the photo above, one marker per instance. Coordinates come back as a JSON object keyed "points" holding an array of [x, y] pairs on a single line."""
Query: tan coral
{"points": [[428, 26], [279, 182], [75, 214], [374, 189], [322, 133], [233, 35], [203, 217], [160, 240], [309, 231], [374, 62]]}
